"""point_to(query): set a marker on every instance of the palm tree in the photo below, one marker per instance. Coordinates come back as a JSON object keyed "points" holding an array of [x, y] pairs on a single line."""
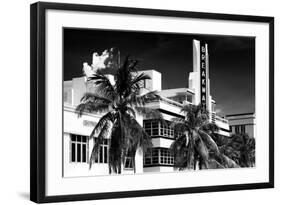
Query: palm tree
{"points": [[119, 102], [195, 147], [240, 148]]}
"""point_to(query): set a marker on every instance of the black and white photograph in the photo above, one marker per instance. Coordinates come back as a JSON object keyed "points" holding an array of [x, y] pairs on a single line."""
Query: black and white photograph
{"points": [[140, 102], [153, 102]]}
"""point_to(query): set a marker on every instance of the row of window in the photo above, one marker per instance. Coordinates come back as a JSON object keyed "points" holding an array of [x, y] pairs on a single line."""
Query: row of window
{"points": [[237, 129], [79, 151], [159, 156], [157, 128]]}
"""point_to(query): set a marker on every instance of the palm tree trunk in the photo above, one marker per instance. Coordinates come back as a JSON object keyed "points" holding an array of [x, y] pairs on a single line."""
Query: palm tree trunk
{"points": [[195, 162], [190, 154]]}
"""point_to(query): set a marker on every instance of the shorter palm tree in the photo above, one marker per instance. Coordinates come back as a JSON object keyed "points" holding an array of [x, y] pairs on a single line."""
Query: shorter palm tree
{"points": [[195, 147], [119, 103], [240, 148]]}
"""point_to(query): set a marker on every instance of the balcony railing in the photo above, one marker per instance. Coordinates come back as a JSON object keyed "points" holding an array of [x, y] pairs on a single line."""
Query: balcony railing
{"points": [[169, 101], [221, 119]]}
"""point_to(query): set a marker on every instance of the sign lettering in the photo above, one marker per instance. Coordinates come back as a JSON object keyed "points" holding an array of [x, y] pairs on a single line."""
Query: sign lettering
{"points": [[203, 75], [89, 123]]}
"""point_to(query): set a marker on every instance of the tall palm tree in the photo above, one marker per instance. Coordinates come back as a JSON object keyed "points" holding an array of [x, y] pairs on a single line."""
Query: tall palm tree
{"points": [[195, 147], [119, 102]]}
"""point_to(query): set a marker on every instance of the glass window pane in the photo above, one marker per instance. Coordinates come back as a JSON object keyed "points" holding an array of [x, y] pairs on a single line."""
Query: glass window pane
{"points": [[78, 152], [73, 138], [155, 124], [84, 139], [131, 163], [155, 132], [155, 152], [84, 153], [155, 160], [73, 153], [147, 160], [243, 128], [127, 162], [78, 138], [105, 154], [96, 158], [100, 155]]}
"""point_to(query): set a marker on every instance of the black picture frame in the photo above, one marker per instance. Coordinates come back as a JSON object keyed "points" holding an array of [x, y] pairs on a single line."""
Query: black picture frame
{"points": [[38, 100]]}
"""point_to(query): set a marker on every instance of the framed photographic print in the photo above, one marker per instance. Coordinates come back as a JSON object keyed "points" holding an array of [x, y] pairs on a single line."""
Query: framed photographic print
{"points": [[129, 102]]}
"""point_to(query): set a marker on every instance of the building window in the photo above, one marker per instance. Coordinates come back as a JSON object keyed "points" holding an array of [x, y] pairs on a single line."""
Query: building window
{"points": [[240, 129], [79, 149], [128, 163], [189, 98], [166, 131], [102, 156], [236, 129], [151, 157], [151, 127], [159, 156], [243, 129], [158, 128], [166, 157]]}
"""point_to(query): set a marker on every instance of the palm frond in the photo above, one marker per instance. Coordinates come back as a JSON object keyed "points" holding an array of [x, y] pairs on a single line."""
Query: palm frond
{"points": [[179, 125], [195, 115], [210, 143], [91, 107], [104, 132], [135, 134], [210, 127], [139, 100], [214, 164], [149, 113], [183, 151], [116, 149], [131, 111], [202, 150], [227, 162], [103, 85], [95, 98], [137, 80], [179, 145], [105, 119], [124, 77]]}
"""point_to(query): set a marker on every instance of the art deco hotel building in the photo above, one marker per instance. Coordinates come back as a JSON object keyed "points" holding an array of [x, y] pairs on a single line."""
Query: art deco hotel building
{"points": [[77, 146]]}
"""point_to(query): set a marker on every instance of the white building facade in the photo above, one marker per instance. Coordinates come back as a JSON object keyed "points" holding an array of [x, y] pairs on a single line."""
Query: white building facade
{"points": [[77, 146], [243, 123]]}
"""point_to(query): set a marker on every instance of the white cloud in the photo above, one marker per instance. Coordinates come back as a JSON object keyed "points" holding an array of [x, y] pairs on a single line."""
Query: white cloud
{"points": [[99, 62]]}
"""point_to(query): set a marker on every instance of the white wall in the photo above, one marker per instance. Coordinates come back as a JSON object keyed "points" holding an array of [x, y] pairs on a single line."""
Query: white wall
{"points": [[14, 85], [155, 83]]}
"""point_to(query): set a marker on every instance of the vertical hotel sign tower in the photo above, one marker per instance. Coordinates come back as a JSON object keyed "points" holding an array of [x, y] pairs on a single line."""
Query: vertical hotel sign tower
{"points": [[203, 73], [199, 83], [199, 79]]}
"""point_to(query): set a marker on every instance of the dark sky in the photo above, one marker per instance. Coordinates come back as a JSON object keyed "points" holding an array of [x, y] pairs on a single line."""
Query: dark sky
{"points": [[231, 60]]}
